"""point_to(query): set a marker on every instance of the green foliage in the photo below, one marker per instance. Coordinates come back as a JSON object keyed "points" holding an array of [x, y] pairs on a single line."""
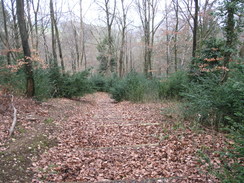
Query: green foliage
{"points": [[173, 86], [43, 85], [135, 87], [237, 7], [211, 59], [232, 169], [48, 83], [99, 83], [65, 85], [106, 57], [102, 83], [210, 102], [13, 82]]}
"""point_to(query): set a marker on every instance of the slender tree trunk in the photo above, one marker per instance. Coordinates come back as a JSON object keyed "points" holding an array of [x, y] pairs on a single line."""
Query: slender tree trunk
{"points": [[16, 32], [122, 47], [131, 56], [109, 20], [147, 11], [82, 43], [84, 54], [230, 37], [194, 44], [36, 10], [46, 52], [121, 55], [76, 59], [30, 87], [54, 41], [167, 41], [176, 7], [59, 46], [6, 33], [30, 23]]}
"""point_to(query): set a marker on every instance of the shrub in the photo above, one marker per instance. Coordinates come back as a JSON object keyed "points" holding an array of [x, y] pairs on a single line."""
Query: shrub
{"points": [[102, 83], [173, 86], [43, 84], [74, 85], [13, 82], [232, 169], [210, 102], [135, 87], [99, 83]]}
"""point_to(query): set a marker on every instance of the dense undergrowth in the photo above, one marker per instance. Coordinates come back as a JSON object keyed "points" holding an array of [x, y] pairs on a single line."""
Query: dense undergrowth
{"points": [[208, 101]]}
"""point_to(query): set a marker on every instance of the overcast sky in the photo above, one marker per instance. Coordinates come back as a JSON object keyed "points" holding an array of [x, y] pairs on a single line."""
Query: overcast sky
{"points": [[93, 14]]}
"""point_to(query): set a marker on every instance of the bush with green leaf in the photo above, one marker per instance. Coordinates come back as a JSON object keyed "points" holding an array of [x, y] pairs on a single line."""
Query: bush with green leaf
{"points": [[232, 166], [73, 85], [173, 86], [135, 87], [99, 82], [103, 83], [210, 102], [43, 84], [13, 81]]}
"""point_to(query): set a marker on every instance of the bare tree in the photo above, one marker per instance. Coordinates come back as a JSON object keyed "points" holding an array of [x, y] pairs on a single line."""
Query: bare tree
{"points": [[36, 10], [15, 25], [82, 40], [195, 27], [176, 8], [167, 39], [59, 46], [147, 10], [188, 16], [207, 22], [109, 9], [54, 41], [56, 38], [30, 88], [45, 44], [6, 33], [29, 22], [123, 24]]}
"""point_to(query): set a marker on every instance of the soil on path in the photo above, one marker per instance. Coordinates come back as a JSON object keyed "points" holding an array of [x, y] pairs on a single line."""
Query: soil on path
{"points": [[94, 139], [124, 142]]}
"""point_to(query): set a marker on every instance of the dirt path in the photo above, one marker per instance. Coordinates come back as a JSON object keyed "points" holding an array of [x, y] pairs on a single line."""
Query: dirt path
{"points": [[94, 139], [122, 142]]}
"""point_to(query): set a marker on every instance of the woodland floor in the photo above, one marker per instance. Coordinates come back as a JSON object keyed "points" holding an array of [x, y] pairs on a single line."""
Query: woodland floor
{"points": [[94, 139]]}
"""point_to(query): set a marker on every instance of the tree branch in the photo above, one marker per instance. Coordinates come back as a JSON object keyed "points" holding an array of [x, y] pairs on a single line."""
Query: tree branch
{"points": [[11, 130]]}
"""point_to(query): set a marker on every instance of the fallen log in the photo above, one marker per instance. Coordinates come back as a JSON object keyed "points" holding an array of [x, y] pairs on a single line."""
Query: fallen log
{"points": [[11, 130]]}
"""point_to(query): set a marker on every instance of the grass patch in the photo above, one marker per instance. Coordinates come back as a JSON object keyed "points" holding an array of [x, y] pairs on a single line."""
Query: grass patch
{"points": [[48, 121]]}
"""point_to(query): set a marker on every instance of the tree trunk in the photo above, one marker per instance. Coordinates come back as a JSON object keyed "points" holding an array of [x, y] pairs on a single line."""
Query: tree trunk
{"points": [[54, 41], [122, 47], [30, 88], [82, 42], [47, 55], [59, 47], [176, 7], [30, 23], [167, 42], [147, 11], [16, 32], [36, 10], [6, 34], [230, 37], [194, 44], [76, 60]]}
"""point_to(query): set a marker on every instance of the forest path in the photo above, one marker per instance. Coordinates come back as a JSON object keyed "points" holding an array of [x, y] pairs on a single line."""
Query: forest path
{"points": [[105, 141]]}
